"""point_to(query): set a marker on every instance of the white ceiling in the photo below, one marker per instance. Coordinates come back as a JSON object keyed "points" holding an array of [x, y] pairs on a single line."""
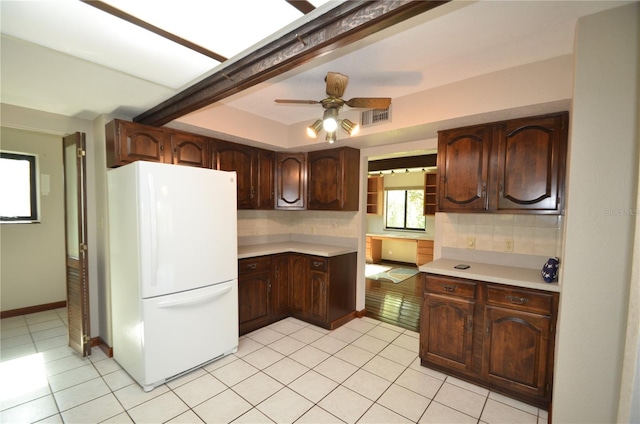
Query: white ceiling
{"points": [[67, 64]]}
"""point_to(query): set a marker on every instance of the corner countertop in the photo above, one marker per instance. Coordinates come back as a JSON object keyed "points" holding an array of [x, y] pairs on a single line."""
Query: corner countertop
{"points": [[514, 276], [325, 250]]}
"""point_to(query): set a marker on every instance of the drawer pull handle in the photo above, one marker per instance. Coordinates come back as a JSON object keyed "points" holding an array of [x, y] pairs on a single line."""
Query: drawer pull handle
{"points": [[252, 265], [517, 300], [449, 287], [317, 264]]}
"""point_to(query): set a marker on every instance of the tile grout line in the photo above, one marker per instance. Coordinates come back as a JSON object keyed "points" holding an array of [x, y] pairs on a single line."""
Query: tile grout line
{"points": [[268, 344]]}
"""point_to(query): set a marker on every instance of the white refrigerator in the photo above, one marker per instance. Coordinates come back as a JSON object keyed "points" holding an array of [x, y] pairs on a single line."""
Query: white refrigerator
{"points": [[173, 268]]}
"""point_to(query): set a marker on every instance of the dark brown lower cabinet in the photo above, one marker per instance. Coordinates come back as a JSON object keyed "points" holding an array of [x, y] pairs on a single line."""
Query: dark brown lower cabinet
{"points": [[498, 336], [254, 291], [319, 290], [298, 304], [332, 290]]}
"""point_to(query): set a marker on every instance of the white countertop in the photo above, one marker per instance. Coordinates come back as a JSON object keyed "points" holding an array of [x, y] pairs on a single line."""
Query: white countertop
{"points": [[514, 276], [326, 250]]}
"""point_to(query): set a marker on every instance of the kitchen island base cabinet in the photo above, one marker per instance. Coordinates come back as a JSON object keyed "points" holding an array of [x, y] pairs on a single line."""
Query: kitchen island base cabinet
{"points": [[498, 336]]}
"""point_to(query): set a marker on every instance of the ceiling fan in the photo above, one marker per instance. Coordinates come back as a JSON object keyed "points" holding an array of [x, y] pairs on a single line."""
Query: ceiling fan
{"points": [[336, 85]]}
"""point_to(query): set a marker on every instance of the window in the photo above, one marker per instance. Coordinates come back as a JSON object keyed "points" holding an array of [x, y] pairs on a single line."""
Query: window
{"points": [[18, 187], [404, 209]]}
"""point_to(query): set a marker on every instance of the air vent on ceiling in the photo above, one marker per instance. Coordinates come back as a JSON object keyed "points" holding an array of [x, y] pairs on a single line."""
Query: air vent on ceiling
{"points": [[375, 116]]}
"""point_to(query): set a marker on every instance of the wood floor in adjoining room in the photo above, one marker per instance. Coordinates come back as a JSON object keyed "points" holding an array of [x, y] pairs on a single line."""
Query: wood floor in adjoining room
{"points": [[395, 303]]}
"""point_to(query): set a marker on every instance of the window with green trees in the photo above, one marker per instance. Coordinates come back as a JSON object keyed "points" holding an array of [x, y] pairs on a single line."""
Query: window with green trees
{"points": [[404, 209]]}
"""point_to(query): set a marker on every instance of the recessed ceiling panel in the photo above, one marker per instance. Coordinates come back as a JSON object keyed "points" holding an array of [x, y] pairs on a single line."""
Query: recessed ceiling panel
{"points": [[83, 31], [224, 27]]}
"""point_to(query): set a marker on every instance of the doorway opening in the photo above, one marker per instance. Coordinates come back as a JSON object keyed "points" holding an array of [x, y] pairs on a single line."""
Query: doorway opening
{"points": [[393, 286]]}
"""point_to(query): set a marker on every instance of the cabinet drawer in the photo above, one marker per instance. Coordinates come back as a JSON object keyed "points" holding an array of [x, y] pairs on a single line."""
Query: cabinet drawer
{"points": [[450, 286], [318, 263], [522, 300], [248, 265]]}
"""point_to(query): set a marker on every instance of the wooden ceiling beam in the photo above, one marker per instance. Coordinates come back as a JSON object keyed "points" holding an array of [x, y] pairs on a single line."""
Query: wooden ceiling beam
{"points": [[338, 27], [422, 161], [302, 5]]}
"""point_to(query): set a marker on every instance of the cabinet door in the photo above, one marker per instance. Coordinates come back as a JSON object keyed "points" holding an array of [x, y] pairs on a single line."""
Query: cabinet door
{"points": [[298, 303], [190, 150], [318, 288], [531, 158], [239, 158], [515, 350], [128, 142], [263, 186], [446, 331], [291, 180], [463, 161], [253, 298], [334, 176], [281, 284]]}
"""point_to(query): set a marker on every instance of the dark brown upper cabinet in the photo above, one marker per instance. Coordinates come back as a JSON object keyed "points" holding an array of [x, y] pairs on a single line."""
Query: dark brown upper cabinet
{"points": [[291, 180], [190, 150], [515, 166], [264, 182], [333, 179], [254, 169], [321, 180], [129, 142]]}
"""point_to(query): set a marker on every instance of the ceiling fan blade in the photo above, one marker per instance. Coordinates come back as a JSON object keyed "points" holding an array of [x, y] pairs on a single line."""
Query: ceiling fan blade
{"points": [[336, 84], [306, 102], [369, 102]]}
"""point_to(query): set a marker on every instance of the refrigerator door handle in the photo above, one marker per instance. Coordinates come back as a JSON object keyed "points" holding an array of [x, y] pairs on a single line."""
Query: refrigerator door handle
{"points": [[153, 224], [196, 299]]}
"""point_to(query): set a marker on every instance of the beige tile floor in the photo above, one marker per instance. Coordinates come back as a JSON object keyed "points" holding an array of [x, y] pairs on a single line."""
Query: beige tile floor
{"points": [[364, 372]]}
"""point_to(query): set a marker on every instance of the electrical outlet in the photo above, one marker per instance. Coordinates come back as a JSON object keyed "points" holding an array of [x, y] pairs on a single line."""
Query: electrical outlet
{"points": [[471, 242], [508, 245]]}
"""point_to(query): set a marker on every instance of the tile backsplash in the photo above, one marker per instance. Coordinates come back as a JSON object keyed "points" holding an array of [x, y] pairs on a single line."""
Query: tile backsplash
{"points": [[320, 223], [531, 234]]}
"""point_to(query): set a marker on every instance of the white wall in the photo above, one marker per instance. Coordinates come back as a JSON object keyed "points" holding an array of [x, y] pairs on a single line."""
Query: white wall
{"points": [[32, 263], [601, 198], [59, 126]]}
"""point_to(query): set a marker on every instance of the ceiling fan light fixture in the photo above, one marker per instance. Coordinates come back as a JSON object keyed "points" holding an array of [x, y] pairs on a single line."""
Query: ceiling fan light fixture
{"points": [[314, 129], [350, 127], [330, 120], [331, 137]]}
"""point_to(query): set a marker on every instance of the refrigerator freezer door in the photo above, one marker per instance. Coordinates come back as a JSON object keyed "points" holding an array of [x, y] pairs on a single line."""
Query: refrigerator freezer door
{"points": [[188, 227], [185, 330]]}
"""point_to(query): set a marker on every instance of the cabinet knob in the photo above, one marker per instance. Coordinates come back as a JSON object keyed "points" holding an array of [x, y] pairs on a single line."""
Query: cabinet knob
{"points": [[252, 265], [449, 287]]}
